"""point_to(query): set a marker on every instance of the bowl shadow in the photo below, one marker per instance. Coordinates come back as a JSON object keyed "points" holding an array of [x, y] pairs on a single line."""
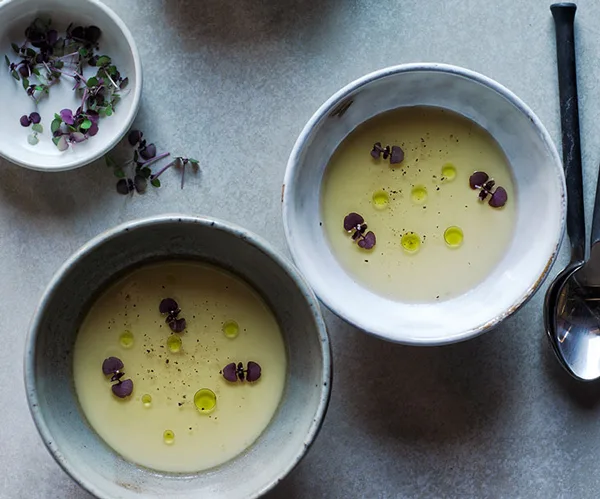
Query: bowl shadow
{"points": [[237, 22]]}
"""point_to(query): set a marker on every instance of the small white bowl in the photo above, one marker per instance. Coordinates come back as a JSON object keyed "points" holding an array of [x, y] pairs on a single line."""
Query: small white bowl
{"points": [[540, 200], [49, 360], [116, 41]]}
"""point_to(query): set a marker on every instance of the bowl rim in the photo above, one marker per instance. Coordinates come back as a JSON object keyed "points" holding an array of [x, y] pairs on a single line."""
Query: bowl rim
{"points": [[257, 242], [293, 164], [127, 120]]}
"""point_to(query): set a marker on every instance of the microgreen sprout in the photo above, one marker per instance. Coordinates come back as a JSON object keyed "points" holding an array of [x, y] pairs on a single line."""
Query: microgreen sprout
{"points": [[112, 366], [46, 57], [144, 156], [169, 307], [483, 182], [394, 153], [355, 224], [232, 372]]}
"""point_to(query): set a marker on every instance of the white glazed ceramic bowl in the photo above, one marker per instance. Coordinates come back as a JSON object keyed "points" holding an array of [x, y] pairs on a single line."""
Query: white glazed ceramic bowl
{"points": [[116, 41], [540, 198], [49, 360]]}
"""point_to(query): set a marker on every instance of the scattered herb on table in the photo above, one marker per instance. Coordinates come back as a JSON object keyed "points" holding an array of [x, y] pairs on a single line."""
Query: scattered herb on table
{"points": [[144, 156]]}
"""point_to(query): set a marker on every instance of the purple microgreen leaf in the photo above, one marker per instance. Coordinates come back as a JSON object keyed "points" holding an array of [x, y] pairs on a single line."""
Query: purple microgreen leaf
{"points": [[123, 388], [35, 117], [230, 372], [368, 241], [489, 185], [62, 144], [253, 371], [499, 198], [483, 194], [93, 130], [352, 220], [148, 152], [477, 180], [177, 325], [123, 186], [66, 115], [168, 306], [77, 137], [134, 137], [386, 152], [92, 34], [397, 155], [112, 365], [117, 376], [25, 121], [124, 83]]}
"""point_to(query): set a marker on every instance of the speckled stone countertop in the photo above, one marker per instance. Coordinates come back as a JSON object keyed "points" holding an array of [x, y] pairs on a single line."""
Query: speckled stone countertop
{"points": [[232, 83]]}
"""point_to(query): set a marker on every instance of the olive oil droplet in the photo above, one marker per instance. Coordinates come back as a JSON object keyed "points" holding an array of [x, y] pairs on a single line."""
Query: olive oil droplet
{"points": [[453, 236], [231, 329], [448, 172], [174, 343], [147, 400], [169, 437], [381, 200], [411, 242], [205, 400], [419, 194], [126, 339]]}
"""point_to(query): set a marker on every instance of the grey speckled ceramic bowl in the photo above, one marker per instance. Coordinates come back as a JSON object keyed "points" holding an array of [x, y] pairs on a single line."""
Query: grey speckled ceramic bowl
{"points": [[48, 360]]}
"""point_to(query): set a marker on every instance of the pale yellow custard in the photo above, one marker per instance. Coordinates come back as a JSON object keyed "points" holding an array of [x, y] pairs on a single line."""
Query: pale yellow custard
{"points": [[434, 238], [159, 425]]}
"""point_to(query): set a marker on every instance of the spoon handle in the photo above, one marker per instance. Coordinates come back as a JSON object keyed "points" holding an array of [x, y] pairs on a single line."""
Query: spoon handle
{"points": [[564, 15]]}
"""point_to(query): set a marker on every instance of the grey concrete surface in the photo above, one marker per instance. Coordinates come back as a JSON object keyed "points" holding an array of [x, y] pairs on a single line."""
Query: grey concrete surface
{"points": [[232, 82]]}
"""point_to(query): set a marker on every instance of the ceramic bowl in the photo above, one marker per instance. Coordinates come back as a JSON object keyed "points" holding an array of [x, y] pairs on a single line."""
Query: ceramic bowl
{"points": [[116, 41], [49, 351], [540, 200]]}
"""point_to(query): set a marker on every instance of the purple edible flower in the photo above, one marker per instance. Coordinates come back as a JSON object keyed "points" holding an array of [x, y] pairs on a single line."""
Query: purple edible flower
{"points": [[112, 365]]}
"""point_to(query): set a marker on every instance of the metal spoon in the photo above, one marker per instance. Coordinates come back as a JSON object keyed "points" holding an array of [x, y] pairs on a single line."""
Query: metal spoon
{"points": [[567, 351]]}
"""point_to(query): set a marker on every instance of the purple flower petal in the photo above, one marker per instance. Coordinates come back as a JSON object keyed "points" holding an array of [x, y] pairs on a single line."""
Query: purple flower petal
{"points": [[35, 117], [368, 241], [112, 365], [230, 372], [352, 220], [93, 116], [253, 371], [167, 306], [499, 198], [25, 121], [397, 155], [177, 325], [477, 180], [123, 388], [67, 116]]}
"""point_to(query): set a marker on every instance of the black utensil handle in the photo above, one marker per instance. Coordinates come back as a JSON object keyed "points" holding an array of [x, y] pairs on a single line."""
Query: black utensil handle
{"points": [[596, 218], [564, 15]]}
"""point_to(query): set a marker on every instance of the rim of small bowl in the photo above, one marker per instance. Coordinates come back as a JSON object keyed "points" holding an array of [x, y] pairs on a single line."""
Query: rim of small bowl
{"points": [[330, 104], [217, 224], [127, 122]]}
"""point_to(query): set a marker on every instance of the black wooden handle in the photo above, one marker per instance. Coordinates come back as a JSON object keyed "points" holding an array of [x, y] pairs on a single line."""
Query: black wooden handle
{"points": [[564, 15]]}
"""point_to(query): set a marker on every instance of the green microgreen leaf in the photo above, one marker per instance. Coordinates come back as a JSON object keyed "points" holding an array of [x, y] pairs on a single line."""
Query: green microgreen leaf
{"points": [[103, 61], [83, 52], [15, 47], [111, 163], [119, 173], [55, 124], [37, 127], [15, 75], [108, 110], [155, 182], [55, 140], [30, 52], [146, 172], [32, 139], [112, 70], [36, 71], [7, 60], [59, 64], [92, 82], [85, 125], [25, 83]]}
